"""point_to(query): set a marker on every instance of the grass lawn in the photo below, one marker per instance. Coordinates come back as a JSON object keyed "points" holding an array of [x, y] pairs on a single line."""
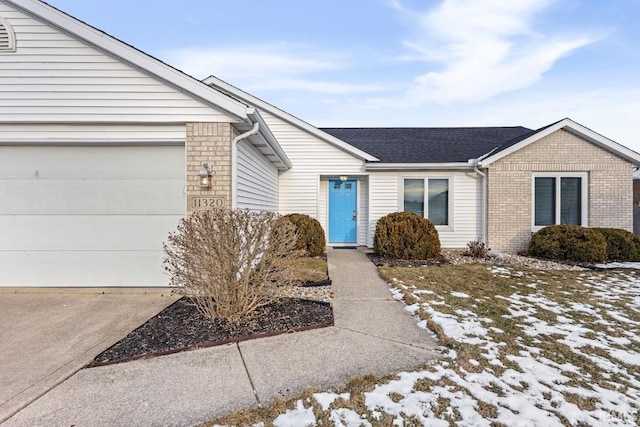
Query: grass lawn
{"points": [[521, 347], [310, 269]]}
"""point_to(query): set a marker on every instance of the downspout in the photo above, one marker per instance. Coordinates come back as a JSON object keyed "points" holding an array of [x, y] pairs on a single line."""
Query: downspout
{"points": [[484, 199], [234, 162]]}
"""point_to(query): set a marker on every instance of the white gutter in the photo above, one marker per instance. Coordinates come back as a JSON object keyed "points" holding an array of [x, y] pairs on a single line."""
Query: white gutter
{"points": [[484, 198], [418, 166], [255, 117], [234, 161]]}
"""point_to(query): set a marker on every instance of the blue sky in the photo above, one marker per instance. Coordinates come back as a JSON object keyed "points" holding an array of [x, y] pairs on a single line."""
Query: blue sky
{"points": [[403, 62]]}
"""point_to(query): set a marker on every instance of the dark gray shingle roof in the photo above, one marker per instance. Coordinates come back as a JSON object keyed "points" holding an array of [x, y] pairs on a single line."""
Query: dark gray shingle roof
{"points": [[430, 145]]}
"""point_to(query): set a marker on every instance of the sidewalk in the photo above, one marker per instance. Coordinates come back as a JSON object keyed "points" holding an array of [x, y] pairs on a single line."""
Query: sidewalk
{"points": [[47, 335], [372, 334]]}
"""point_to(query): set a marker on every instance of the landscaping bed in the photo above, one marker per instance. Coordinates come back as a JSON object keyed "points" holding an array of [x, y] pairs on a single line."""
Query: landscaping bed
{"points": [[181, 327]]}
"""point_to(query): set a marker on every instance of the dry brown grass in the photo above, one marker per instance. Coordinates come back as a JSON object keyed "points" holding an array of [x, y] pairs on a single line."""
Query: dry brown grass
{"points": [[490, 297], [356, 387], [309, 269]]}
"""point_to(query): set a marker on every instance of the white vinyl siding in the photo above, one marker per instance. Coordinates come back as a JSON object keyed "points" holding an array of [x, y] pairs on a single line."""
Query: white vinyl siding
{"points": [[88, 216], [52, 76], [383, 199], [257, 180], [465, 205], [363, 210], [312, 158]]}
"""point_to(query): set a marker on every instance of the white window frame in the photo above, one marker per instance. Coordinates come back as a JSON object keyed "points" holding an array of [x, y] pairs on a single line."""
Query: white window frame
{"points": [[584, 176], [426, 178]]}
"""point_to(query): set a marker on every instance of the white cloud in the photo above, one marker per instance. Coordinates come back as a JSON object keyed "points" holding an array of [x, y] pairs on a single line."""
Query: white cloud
{"points": [[609, 111], [484, 48], [274, 66]]}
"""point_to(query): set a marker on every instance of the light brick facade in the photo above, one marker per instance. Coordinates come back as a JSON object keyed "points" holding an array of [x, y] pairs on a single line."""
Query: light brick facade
{"points": [[610, 190], [209, 143]]}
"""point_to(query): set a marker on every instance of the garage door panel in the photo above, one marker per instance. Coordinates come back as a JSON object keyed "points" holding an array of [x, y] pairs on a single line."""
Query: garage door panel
{"points": [[82, 269], [92, 162], [88, 216], [92, 196], [87, 233]]}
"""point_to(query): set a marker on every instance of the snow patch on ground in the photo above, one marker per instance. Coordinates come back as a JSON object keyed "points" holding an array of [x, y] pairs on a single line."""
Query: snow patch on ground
{"points": [[531, 387], [326, 399], [299, 417], [612, 265], [459, 294]]}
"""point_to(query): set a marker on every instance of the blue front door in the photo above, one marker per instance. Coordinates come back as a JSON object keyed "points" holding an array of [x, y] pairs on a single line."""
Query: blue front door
{"points": [[343, 214]]}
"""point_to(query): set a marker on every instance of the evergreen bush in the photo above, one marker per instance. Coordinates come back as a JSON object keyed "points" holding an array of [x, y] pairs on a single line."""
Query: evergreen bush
{"points": [[622, 245], [311, 237], [405, 235], [569, 243]]}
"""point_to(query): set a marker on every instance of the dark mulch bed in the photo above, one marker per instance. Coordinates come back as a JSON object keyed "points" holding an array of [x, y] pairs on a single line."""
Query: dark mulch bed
{"points": [[181, 327], [392, 262]]}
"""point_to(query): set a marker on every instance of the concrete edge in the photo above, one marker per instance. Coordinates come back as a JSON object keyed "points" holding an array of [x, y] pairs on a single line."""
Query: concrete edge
{"points": [[52, 380], [56, 377], [158, 291]]}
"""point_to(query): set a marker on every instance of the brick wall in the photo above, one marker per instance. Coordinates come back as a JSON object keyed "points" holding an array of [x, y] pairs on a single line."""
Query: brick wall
{"points": [[209, 143], [510, 187]]}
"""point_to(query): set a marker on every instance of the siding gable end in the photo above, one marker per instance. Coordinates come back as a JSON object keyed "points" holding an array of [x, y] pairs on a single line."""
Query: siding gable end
{"points": [[56, 76]]}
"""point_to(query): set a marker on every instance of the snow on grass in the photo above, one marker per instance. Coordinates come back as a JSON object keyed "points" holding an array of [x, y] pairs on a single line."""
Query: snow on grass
{"points": [[573, 360], [298, 417], [614, 265], [326, 399], [458, 294], [565, 352]]}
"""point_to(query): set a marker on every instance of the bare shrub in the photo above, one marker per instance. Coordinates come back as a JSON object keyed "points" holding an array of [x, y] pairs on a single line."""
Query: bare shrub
{"points": [[477, 249], [231, 262]]}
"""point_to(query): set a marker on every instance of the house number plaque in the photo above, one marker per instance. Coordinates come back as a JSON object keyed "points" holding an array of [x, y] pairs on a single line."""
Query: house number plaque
{"points": [[206, 203]]}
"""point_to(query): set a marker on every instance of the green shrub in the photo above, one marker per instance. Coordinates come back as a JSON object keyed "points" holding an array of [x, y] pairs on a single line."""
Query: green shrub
{"points": [[621, 244], [311, 237], [405, 235], [570, 243]]}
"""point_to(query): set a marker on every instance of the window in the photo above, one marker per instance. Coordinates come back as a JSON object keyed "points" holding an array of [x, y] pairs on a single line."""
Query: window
{"points": [[439, 201], [436, 194], [414, 196], [559, 199]]}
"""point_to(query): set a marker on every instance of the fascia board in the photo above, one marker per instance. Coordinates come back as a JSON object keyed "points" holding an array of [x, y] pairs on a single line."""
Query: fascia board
{"points": [[490, 159], [604, 142], [269, 138], [129, 54], [576, 129], [300, 124], [419, 166]]}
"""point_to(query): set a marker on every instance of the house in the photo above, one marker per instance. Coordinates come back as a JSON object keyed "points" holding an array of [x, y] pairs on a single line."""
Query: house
{"points": [[103, 149]]}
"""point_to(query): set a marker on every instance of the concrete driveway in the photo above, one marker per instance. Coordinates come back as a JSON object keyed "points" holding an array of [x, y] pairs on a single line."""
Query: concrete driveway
{"points": [[48, 335]]}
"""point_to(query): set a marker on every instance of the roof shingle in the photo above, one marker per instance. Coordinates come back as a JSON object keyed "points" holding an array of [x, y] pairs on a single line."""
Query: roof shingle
{"points": [[430, 145]]}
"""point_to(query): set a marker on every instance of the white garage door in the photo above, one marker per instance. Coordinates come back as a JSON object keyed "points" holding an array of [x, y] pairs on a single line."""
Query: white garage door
{"points": [[88, 216]]}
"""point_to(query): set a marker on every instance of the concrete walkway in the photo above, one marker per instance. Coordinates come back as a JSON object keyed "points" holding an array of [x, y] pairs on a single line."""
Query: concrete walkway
{"points": [[47, 335], [372, 334]]}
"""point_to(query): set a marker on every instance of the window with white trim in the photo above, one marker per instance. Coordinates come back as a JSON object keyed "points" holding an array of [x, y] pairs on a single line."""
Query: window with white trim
{"points": [[559, 198], [427, 197]]}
